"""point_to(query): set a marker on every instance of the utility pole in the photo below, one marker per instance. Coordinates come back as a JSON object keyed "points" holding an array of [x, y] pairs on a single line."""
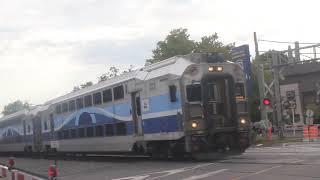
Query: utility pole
{"points": [[275, 63], [296, 51], [260, 78]]}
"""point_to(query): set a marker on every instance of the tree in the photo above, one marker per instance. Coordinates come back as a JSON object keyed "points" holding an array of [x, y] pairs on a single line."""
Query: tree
{"points": [[179, 43], [15, 107], [211, 44], [176, 43], [87, 84], [76, 88], [113, 72]]}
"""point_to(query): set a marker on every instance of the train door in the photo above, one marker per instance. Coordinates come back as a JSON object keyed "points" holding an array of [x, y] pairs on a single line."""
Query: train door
{"points": [[37, 146], [219, 102], [136, 113]]}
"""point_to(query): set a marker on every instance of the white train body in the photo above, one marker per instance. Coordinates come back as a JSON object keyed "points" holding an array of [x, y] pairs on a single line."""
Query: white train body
{"points": [[179, 104]]}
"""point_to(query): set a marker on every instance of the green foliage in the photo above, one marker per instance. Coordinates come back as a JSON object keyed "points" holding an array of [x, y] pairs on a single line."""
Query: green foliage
{"points": [[211, 44], [178, 42], [15, 107], [87, 84]]}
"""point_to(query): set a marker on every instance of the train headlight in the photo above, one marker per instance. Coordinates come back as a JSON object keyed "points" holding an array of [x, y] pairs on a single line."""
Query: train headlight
{"points": [[243, 121], [211, 69], [215, 69], [194, 124], [219, 68]]}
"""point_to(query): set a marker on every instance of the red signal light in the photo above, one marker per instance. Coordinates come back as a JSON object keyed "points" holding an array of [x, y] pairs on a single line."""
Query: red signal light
{"points": [[266, 101]]}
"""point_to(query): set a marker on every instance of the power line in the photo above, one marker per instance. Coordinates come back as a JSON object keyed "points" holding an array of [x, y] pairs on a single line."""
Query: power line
{"points": [[284, 42]]}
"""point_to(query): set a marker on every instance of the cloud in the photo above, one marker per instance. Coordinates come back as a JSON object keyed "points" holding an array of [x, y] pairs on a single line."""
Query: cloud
{"points": [[47, 47]]}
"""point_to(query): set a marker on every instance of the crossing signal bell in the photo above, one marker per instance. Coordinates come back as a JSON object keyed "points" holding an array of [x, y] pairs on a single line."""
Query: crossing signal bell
{"points": [[266, 102]]}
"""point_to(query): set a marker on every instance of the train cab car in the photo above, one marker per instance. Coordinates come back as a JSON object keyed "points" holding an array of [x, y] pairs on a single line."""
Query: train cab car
{"points": [[189, 104]]}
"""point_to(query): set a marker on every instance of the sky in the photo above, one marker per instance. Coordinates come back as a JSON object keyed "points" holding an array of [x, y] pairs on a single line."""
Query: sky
{"points": [[48, 47]]}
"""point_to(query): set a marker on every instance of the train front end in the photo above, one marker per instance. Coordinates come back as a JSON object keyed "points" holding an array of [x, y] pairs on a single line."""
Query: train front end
{"points": [[215, 106]]}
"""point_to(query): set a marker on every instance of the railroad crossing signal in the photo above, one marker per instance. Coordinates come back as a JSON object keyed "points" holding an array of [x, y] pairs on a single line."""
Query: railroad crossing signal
{"points": [[266, 102]]}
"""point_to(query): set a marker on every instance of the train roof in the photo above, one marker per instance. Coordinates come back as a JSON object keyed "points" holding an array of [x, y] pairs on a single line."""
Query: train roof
{"points": [[14, 115], [172, 66]]}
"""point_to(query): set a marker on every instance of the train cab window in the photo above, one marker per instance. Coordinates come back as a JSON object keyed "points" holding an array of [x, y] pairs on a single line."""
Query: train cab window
{"points": [[194, 92], [81, 132], [73, 133], [107, 95], [65, 107], [65, 134], [99, 130], [212, 92], [121, 129], [58, 108], [239, 91], [89, 131], [173, 91], [72, 105], [118, 92], [79, 103], [109, 130], [88, 101], [97, 99]]}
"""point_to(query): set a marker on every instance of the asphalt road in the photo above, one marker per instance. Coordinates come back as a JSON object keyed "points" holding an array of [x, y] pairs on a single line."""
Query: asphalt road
{"points": [[300, 161]]}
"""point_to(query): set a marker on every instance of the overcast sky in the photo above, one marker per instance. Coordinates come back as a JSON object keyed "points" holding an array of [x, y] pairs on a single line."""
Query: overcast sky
{"points": [[47, 47]]}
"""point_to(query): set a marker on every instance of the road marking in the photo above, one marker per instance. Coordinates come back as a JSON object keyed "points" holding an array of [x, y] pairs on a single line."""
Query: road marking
{"points": [[166, 173], [263, 171], [256, 173], [205, 175]]}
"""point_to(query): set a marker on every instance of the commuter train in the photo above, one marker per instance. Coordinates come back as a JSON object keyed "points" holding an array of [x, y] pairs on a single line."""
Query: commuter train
{"points": [[188, 104]]}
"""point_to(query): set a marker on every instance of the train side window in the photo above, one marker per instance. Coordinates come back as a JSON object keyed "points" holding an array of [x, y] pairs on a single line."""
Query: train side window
{"points": [[97, 99], [45, 125], [194, 92], [109, 130], [65, 107], [173, 91], [60, 135], [58, 108], [89, 131], [79, 103], [118, 92], [81, 132], [65, 134], [72, 105], [121, 129], [73, 133], [107, 95], [88, 101], [99, 130], [29, 128], [239, 91]]}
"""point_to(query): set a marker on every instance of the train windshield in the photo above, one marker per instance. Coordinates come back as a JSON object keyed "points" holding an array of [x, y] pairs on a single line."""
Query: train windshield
{"points": [[212, 92], [194, 92]]}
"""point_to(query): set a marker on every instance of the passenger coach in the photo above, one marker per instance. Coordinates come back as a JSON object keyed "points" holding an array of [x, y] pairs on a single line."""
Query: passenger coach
{"points": [[186, 104]]}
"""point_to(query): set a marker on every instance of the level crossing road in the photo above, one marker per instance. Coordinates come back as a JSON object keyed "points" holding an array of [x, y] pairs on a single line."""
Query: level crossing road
{"points": [[296, 161]]}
